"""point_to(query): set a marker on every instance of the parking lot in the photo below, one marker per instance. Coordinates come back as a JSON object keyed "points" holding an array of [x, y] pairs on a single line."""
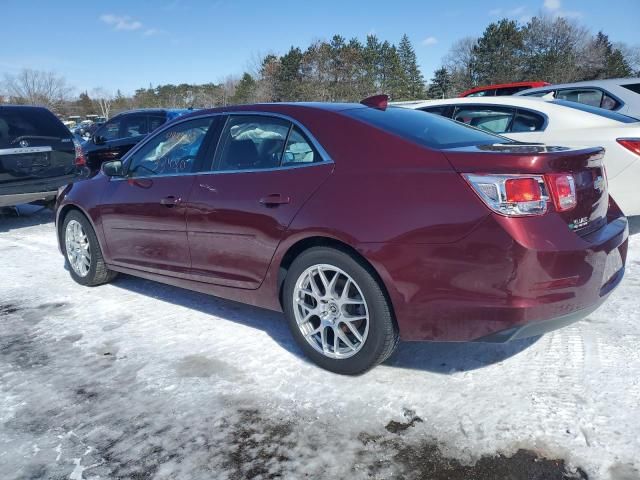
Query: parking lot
{"points": [[141, 380]]}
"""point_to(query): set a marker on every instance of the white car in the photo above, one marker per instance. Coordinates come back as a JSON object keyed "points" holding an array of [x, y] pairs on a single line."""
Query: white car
{"points": [[556, 122]]}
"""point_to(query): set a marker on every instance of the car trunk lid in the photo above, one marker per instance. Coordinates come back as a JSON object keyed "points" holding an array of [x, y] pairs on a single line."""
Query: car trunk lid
{"points": [[583, 165]]}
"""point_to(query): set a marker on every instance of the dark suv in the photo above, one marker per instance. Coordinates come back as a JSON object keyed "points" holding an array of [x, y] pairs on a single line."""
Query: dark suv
{"points": [[37, 155], [117, 136]]}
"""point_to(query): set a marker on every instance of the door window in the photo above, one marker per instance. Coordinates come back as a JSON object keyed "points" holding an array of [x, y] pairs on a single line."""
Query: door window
{"points": [[171, 152], [299, 150], [156, 121], [134, 126], [252, 142], [489, 118], [110, 130], [527, 121]]}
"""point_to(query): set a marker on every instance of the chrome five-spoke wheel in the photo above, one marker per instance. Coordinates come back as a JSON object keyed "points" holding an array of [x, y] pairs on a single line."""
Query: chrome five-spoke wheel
{"points": [[331, 311], [78, 248]]}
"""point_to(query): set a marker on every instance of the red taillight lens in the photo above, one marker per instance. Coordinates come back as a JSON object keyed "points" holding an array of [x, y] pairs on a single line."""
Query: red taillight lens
{"points": [[562, 188], [510, 195], [631, 144], [522, 190], [81, 161]]}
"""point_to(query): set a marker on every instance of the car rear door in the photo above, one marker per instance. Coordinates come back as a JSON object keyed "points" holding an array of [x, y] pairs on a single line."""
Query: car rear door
{"points": [[35, 149], [265, 168], [143, 213]]}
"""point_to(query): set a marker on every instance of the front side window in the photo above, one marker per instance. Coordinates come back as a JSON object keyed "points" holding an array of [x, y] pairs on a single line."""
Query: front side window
{"points": [[171, 152], [483, 93], [489, 118], [253, 142], [156, 121]]}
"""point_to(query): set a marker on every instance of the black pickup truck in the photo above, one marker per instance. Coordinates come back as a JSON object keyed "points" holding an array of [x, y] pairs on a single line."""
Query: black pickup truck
{"points": [[37, 155]]}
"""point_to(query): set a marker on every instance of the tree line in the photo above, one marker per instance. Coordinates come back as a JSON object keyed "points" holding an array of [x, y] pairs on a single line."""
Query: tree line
{"points": [[554, 49]]}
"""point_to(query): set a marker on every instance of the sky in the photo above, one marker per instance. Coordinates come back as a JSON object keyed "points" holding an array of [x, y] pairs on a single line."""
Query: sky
{"points": [[119, 44]]}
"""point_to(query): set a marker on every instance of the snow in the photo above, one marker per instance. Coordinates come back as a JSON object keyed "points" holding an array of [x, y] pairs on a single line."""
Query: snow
{"points": [[138, 378]]}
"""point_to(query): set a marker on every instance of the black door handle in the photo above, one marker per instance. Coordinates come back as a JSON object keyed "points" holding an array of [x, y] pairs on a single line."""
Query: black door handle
{"points": [[170, 201], [274, 200]]}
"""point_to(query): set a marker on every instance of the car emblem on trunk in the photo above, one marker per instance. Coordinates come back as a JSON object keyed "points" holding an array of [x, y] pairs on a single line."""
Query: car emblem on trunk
{"points": [[598, 183], [24, 143]]}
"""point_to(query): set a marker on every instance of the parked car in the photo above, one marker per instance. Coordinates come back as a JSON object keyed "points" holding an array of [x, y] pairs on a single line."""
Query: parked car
{"points": [[116, 137], [37, 155], [501, 89], [365, 224], [557, 122], [619, 94]]}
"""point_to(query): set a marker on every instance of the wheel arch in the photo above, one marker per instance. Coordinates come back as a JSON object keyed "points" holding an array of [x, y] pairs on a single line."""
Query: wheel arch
{"points": [[62, 213], [304, 244]]}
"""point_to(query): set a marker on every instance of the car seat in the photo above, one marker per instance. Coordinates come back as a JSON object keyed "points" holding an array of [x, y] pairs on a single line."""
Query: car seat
{"points": [[241, 155]]}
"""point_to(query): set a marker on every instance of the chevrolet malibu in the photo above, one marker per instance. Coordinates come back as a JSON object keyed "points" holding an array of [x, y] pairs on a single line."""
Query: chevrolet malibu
{"points": [[364, 223]]}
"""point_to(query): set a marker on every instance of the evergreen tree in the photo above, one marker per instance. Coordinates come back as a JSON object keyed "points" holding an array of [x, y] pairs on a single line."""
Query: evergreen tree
{"points": [[288, 85], [440, 86], [497, 57], [413, 82], [245, 90]]}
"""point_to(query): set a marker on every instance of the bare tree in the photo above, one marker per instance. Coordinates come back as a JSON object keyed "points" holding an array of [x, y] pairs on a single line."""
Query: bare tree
{"points": [[36, 87], [631, 54], [104, 99], [459, 64]]}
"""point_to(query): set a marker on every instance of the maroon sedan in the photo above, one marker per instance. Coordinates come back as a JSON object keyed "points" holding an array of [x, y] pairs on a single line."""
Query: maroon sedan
{"points": [[364, 224]]}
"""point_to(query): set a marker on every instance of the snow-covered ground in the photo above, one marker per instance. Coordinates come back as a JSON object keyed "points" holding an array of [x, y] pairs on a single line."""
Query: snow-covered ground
{"points": [[141, 380]]}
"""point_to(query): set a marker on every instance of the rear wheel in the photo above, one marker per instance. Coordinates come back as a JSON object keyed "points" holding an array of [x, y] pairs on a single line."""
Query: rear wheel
{"points": [[82, 251], [338, 312]]}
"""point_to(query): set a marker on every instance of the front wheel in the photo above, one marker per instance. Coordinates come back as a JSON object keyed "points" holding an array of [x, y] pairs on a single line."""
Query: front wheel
{"points": [[82, 251], [338, 312]]}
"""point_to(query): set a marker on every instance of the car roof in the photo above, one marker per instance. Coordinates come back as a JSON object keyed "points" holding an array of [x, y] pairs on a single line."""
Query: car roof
{"points": [[608, 82], [532, 83], [534, 103]]}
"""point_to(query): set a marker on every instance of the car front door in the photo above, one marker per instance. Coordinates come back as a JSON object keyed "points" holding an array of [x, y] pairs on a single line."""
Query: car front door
{"points": [[143, 213], [265, 168]]}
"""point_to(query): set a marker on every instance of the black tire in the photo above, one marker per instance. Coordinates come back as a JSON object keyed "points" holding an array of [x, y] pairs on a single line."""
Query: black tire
{"points": [[382, 337], [98, 272]]}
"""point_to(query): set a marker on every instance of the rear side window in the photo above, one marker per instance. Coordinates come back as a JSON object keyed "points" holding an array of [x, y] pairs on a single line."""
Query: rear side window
{"points": [[541, 93], [598, 111], [509, 90], [299, 150], [483, 93], [253, 143], [490, 118], [23, 123], [156, 121], [588, 96], [526, 121], [428, 130]]}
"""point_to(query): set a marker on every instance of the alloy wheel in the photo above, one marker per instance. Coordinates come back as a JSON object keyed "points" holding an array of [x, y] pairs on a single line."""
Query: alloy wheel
{"points": [[78, 248], [331, 311]]}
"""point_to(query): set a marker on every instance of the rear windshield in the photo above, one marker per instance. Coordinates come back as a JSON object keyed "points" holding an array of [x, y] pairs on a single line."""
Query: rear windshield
{"points": [[634, 87], [597, 111], [426, 129], [17, 123]]}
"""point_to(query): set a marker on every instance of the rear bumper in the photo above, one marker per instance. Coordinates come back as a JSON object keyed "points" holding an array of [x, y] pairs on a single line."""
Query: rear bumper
{"points": [[510, 278], [40, 189]]}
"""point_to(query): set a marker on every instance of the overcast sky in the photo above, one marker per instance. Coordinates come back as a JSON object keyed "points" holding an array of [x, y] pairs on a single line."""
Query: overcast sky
{"points": [[131, 44]]}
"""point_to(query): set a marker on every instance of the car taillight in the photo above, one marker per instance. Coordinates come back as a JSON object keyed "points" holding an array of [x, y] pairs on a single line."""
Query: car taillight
{"points": [[511, 195], [562, 188], [81, 161], [631, 144]]}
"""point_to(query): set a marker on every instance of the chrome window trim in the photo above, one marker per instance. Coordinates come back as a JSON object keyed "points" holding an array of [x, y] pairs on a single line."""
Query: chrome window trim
{"points": [[326, 158]]}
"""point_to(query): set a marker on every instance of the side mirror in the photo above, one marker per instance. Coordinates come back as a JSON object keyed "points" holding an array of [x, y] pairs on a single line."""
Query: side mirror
{"points": [[98, 140], [113, 168]]}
